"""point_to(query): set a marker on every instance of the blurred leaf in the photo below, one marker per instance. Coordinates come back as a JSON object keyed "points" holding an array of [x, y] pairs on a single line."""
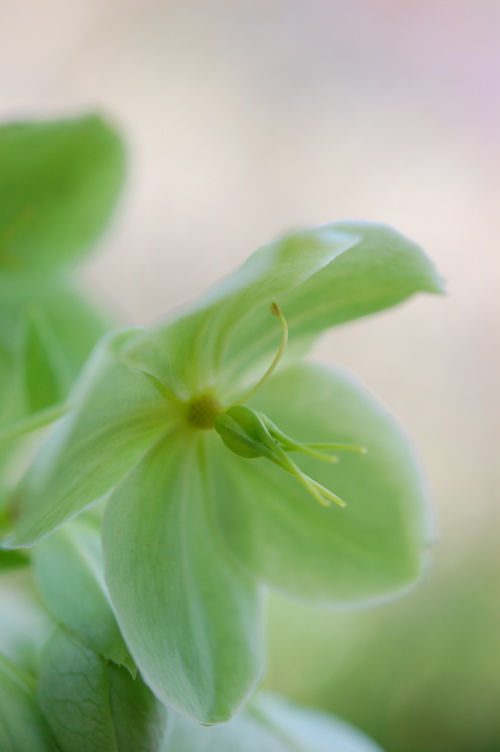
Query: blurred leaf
{"points": [[12, 560], [69, 572], [22, 725], [189, 616], [94, 706], [44, 372], [18, 428], [422, 673], [24, 622], [59, 182], [367, 551]]}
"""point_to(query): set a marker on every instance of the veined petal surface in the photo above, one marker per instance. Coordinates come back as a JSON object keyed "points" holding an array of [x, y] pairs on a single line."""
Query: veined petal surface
{"points": [[190, 617], [365, 552]]}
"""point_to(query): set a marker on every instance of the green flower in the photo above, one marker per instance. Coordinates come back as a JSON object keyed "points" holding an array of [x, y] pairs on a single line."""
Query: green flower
{"points": [[207, 504]]}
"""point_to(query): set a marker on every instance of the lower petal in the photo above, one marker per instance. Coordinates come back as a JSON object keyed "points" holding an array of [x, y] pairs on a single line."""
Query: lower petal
{"points": [[189, 616], [367, 551]]}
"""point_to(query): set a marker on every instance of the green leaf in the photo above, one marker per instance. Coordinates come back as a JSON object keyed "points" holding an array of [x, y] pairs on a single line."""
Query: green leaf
{"points": [[24, 623], [374, 547], [190, 617], [76, 322], [74, 325], [59, 182], [269, 724], [22, 725], [117, 415], [69, 571], [23, 426], [12, 560], [44, 373], [93, 706], [319, 277]]}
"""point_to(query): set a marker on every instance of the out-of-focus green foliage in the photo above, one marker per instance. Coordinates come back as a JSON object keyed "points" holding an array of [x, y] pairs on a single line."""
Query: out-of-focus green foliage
{"points": [[419, 674], [59, 181]]}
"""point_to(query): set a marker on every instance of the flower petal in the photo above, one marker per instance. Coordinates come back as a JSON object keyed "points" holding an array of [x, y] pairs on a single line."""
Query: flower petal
{"points": [[185, 354], [319, 277], [367, 551], [380, 270], [269, 723], [189, 616], [117, 415]]}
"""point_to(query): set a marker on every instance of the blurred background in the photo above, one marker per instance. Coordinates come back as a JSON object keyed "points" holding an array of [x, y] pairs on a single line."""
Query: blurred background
{"points": [[248, 118]]}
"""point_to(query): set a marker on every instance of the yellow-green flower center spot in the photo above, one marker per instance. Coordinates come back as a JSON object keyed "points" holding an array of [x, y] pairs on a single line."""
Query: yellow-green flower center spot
{"points": [[201, 411]]}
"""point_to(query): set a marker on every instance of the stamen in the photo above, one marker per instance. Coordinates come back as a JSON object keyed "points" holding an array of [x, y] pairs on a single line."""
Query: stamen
{"points": [[276, 311], [312, 449], [322, 495]]}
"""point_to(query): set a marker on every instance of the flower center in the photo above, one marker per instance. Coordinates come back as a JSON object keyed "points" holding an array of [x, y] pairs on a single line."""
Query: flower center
{"points": [[202, 410]]}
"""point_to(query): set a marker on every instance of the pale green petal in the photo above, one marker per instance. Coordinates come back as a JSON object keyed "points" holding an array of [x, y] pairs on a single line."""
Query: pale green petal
{"points": [[319, 277], [269, 723], [191, 617], [69, 571], [382, 269], [185, 355], [94, 706], [117, 415], [58, 185], [367, 551]]}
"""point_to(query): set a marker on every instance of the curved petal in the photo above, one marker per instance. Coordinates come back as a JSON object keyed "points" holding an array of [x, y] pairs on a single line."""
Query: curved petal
{"points": [[319, 277], [369, 550], [380, 270], [185, 354], [269, 723], [189, 616], [117, 415]]}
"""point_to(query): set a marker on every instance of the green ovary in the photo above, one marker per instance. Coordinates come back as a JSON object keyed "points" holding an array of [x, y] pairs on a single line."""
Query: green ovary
{"points": [[201, 411]]}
